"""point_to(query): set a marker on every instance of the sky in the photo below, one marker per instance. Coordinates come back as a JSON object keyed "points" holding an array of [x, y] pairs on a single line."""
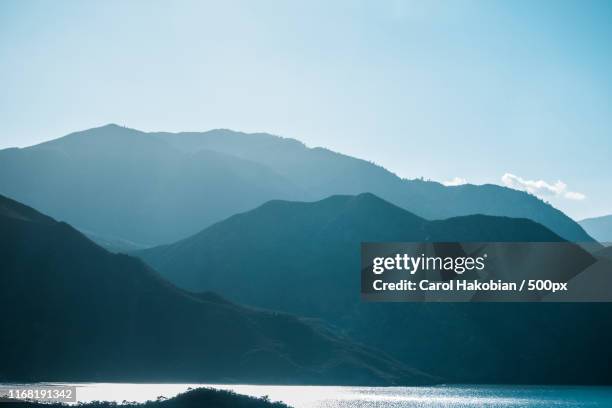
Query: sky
{"points": [[514, 92]]}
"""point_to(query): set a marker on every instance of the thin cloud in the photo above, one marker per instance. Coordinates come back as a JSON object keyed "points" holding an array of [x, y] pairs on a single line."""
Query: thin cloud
{"points": [[541, 188], [457, 181]]}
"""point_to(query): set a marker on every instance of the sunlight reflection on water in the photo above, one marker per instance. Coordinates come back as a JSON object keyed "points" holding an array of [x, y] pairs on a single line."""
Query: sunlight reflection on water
{"points": [[369, 397]]}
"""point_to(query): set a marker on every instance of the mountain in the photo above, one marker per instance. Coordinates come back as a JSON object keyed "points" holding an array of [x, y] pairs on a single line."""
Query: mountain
{"points": [[121, 183], [294, 244], [74, 312], [599, 228], [156, 188], [304, 258], [322, 173]]}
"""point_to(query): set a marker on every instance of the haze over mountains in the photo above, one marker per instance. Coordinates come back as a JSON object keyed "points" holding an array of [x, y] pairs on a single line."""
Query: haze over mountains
{"points": [[266, 222], [75, 312], [304, 258], [297, 244], [599, 228], [154, 188]]}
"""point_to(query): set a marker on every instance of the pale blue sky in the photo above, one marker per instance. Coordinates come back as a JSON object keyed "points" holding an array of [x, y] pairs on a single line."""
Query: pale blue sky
{"points": [[440, 89]]}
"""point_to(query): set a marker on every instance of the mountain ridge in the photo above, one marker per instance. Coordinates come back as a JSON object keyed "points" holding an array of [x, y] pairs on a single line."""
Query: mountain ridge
{"points": [[158, 187], [76, 312], [304, 258], [303, 229]]}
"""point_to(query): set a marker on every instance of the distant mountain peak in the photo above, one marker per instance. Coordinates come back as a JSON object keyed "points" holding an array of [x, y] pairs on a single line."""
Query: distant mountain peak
{"points": [[371, 198], [111, 125], [114, 180], [367, 202]]}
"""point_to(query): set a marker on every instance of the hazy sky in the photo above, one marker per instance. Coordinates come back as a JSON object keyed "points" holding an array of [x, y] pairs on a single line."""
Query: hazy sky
{"points": [[449, 90]]}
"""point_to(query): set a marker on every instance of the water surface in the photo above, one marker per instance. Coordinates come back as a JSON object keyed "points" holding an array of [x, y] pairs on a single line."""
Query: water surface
{"points": [[370, 397]]}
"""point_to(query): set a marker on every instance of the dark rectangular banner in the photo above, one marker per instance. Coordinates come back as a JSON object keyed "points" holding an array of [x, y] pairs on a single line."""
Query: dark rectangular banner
{"points": [[484, 272]]}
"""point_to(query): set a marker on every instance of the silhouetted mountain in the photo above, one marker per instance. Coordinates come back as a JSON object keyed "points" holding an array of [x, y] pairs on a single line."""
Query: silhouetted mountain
{"points": [[293, 243], [75, 312], [155, 188], [599, 228], [304, 258]]}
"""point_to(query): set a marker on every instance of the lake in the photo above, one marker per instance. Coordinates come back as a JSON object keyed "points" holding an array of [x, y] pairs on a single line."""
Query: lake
{"points": [[371, 397]]}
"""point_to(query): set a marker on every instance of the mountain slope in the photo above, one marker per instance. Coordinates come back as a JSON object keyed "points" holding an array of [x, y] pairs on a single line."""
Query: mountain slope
{"points": [[599, 228], [304, 258], [156, 188], [121, 183], [74, 312], [293, 243], [276, 241], [322, 173]]}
